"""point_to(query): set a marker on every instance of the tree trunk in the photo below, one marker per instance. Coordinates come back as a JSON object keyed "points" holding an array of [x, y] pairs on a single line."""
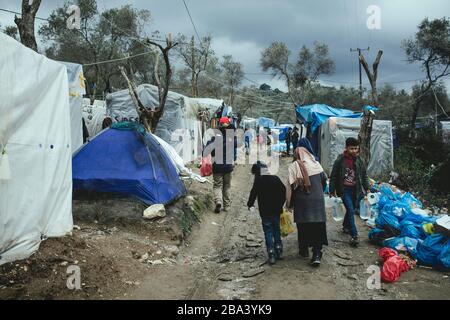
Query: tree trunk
{"points": [[25, 24], [365, 132]]}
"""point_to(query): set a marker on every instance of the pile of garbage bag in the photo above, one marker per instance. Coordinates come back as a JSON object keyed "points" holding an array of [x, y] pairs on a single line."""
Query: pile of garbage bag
{"points": [[394, 264], [399, 222]]}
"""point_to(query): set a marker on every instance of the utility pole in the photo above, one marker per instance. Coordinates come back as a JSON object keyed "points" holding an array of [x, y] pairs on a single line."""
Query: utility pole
{"points": [[360, 71]]}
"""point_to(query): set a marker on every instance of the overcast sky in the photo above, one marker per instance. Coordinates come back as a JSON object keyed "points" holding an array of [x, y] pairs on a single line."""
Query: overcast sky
{"points": [[245, 28]]}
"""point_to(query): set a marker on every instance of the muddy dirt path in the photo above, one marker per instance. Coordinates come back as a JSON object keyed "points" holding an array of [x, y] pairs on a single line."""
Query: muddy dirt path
{"points": [[225, 259]]}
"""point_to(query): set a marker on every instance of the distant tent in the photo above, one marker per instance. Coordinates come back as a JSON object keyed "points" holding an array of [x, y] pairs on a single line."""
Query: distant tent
{"points": [[313, 116], [35, 150], [94, 115], [316, 114], [127, 161], [180, 125], [266, 122]]}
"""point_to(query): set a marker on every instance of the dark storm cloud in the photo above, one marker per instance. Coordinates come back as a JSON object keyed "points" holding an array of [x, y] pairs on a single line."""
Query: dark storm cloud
{"points": [[244, 28]]}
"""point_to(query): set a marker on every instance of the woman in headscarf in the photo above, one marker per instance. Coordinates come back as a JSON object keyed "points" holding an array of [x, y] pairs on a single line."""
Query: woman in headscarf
{"points": [[306, 182], [305, 143]]}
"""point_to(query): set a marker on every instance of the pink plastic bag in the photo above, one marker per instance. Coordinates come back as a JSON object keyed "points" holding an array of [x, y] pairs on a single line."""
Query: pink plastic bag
{"points": [[206, 166]]}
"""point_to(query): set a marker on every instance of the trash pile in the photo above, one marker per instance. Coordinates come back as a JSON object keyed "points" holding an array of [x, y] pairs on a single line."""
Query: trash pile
{"points": [[399, 222]]}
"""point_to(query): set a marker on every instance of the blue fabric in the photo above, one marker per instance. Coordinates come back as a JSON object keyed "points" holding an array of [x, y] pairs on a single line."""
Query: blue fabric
{"points": [[126, 162], [368, 108], [272, 232], [349, 199], [316, 114]]}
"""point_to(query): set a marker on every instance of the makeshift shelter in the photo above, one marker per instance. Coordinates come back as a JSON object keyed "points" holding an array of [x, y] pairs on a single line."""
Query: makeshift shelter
{"points": [[76, 91], [182, 124], [445, 125], [127, 161], [313, 116], [94, 115], [250, 123], [35, 150], [335, 131], [266, 122]]}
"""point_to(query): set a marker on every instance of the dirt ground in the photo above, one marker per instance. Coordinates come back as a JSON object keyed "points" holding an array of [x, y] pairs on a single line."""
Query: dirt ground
{"points": [[223, 258]]}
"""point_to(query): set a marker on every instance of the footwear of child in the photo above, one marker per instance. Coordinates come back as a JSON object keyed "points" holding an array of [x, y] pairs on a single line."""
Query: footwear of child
{"points": [[279, 252], [346, 230], [272, 258], [354, 241]]}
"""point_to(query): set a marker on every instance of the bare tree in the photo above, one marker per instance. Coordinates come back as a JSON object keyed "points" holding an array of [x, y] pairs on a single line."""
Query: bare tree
{"points": [[26, 23], [365, 132], [233, 75], [195, 58], [148, 116]]}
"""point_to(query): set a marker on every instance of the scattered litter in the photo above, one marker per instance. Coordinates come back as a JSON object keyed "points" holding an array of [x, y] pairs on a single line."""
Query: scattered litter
{"points": [[214, 223]]}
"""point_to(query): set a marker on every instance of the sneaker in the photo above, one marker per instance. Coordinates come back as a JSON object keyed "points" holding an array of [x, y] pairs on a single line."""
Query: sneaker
{"points": [[354, 242], [272, 259], [279, 252], [218, 207], [304, 253], [315, 261]]}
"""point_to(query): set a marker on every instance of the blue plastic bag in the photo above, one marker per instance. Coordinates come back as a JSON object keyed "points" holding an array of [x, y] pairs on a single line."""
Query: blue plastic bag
{"points": [[387, 191], [387, 219], [429, 250], [444, 256], [400, 243], [409, 199], [413, 231]]}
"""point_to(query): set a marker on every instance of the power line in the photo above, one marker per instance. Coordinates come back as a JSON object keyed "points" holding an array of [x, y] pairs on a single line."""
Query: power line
{"points": [[19, 13], [192, 21]]}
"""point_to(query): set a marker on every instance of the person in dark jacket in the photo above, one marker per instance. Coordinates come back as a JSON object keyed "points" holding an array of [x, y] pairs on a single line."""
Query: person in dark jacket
{"points": [[223, 164], [271, 195], [288, 141], [349, 181], [294, 138], [306, 181]]}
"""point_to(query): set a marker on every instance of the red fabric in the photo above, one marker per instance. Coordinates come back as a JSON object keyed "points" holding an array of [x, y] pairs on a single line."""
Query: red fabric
{"points": [[393, 265], [349, 165], [206, 166], [224, 120]]}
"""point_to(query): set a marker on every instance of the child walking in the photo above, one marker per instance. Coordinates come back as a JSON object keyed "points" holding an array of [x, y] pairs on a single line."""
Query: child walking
{"points": [[271, 195]]}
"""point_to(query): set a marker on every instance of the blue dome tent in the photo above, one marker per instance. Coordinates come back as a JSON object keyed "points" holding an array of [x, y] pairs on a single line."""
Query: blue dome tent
{"points": [[125, 160]]}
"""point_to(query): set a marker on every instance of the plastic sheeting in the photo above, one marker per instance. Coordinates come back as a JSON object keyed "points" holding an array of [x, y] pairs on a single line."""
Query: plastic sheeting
{"points": [[93, 116], [36, 202], [445, 131], [76, 91], [179, 125], [129, 163], [250, 123], [335, 131], [317, 114], [266, 122]]}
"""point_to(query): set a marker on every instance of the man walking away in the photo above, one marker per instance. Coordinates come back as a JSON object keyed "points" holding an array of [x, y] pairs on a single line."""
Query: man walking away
{"points": [[223, 167], [349, 181], [294, 138]]}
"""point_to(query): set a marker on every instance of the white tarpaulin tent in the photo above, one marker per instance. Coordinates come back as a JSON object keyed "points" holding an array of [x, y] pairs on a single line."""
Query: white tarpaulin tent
{"points": [[76, 92], [93, 116], [179, 126], [35, 143], [335, 131]]}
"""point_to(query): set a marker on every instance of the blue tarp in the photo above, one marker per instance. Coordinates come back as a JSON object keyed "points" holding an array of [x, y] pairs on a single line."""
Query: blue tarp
{"points": [[316, 114], [283, 129], [129, 163], [266, 122]]}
